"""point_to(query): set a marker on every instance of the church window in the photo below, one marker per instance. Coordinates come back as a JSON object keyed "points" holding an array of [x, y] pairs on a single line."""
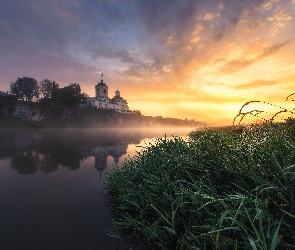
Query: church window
{"points": [[104, 91]]}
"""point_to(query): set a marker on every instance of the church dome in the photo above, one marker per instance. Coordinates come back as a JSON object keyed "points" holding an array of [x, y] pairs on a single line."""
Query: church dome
{"points": [[101, 83]]}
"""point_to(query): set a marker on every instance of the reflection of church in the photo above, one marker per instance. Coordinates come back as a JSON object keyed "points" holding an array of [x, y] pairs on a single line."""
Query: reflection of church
{"points": [[101, 154]]}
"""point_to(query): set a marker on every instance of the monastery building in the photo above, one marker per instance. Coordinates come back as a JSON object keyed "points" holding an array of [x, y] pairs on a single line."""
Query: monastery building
{"points": [[101, 99]]}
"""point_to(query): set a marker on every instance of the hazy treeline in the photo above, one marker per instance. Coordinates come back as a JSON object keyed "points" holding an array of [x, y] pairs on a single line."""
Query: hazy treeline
{"points": [[40, 115]]}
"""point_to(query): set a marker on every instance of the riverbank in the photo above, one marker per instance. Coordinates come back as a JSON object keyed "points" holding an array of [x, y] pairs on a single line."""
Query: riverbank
{"points": [[32, 114], [230, 189]]}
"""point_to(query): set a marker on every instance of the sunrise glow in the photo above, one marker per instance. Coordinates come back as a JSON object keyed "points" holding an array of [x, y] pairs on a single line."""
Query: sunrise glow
{"points": [[190, 59]]}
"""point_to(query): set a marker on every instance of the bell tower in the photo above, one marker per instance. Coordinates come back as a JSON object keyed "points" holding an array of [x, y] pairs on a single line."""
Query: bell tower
{"points": [[117, 93], [101, 89]]}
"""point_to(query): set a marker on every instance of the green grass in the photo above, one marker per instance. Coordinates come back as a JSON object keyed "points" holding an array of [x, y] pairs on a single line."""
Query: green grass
{"points": [[217, 190]]}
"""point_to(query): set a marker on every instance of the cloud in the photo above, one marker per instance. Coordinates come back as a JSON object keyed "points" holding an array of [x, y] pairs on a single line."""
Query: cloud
{"points": [[165, 18], [59, 38], [233, 12], [190, 33], [175, 36], [33, 26], [237, 64], [257, 84]]}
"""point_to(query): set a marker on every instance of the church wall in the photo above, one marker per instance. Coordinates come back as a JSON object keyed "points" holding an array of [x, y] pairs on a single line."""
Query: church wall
{"points": [[101, 104], [119, 106], [90, 102], [113, 106]]}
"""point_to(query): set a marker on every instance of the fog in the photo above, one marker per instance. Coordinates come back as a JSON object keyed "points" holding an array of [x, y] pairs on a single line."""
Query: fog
{"points": [[30, 150]]}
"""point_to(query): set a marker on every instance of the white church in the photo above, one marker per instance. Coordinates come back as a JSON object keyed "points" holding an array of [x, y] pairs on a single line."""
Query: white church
{"points": [[102, 100]]}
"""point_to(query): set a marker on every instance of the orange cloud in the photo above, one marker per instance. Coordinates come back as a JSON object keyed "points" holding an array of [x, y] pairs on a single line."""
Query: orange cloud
{"points": [[237, 64], [257, 84]]}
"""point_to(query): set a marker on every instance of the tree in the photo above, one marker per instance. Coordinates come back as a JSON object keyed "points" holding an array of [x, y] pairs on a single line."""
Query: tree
{"points": [[47, 87], [25, 87], [68, 96], [137, 112]]}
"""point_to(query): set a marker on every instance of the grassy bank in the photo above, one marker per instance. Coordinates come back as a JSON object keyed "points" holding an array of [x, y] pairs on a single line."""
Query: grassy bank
{"points": [[217, 190]]}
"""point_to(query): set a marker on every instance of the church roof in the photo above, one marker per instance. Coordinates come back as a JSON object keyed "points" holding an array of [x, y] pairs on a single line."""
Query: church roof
{"points": [[101, 83], [117, 98]]}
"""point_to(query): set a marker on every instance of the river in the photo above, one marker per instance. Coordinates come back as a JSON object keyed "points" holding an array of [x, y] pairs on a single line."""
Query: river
{"points": [[52, 192]]}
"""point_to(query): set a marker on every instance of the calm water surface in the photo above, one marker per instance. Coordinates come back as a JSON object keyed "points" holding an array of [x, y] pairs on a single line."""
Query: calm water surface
{"points": [[51, 184]]}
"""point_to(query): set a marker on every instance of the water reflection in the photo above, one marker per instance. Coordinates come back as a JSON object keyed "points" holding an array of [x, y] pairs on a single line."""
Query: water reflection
{"points": [[51, 187], [45, 150], [25, 162], [101, 154]]}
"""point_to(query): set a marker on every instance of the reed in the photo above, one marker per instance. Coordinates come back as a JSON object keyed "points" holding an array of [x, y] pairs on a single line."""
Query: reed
{"points": [[272, 117], [216, 190]]}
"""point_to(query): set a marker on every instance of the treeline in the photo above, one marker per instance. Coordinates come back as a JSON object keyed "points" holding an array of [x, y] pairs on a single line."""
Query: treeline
{"points": [[47, 92]]}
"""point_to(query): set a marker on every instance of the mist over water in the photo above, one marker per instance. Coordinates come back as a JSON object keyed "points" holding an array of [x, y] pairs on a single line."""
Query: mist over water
{"points": [[51, 186]]}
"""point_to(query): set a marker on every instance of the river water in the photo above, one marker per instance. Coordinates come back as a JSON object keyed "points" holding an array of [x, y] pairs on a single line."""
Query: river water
{"points": [[52, 184]]}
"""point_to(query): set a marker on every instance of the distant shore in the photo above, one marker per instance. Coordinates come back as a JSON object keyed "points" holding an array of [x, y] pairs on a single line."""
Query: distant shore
{"points": [[32, 114]]}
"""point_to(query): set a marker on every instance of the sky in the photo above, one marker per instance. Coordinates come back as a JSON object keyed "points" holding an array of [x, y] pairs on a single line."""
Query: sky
{"points": [[195, 59]]}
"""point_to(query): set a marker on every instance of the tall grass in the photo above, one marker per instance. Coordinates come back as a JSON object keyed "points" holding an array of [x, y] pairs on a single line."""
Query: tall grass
{"points": [[281, 114], [216, 190]]}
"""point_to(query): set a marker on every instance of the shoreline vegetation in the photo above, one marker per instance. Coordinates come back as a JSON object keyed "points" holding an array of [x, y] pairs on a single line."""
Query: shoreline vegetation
{"points": [[33, 114], [231, 188]]}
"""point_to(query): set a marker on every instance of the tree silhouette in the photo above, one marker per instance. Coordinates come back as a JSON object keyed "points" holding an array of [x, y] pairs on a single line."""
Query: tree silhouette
{"points": [[47, 164], [47, 87], [25, 163], [25, 87], [68, 96]]}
